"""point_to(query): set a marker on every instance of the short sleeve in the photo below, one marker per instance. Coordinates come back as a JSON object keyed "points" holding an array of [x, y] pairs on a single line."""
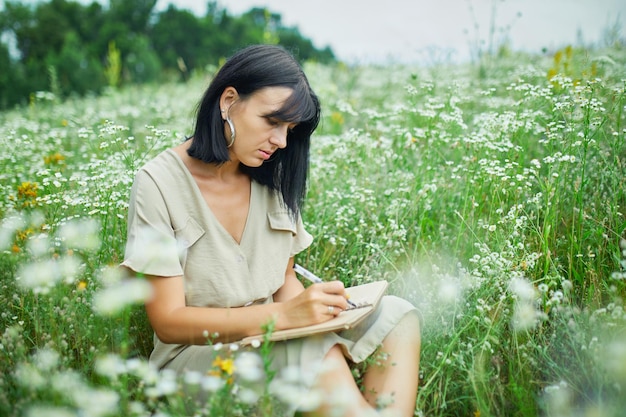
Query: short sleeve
{"points": [[151, 245], [301, 240]]}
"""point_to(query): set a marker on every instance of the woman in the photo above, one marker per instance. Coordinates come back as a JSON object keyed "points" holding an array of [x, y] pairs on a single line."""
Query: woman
{"points": [[225, 209]]}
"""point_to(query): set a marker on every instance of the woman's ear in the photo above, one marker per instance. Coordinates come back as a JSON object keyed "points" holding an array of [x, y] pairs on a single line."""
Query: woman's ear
{"points": [[227, 99]]}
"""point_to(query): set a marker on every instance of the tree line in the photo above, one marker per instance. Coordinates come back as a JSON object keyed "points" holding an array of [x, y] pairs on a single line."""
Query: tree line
{"points": [[65, 47]]}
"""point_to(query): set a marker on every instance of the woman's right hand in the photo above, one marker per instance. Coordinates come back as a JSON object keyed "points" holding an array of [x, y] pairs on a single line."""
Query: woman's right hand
{"points": [[317, 304]]}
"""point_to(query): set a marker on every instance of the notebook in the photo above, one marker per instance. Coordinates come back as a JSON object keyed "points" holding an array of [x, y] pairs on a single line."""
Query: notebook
{"points": [[365, 296]]}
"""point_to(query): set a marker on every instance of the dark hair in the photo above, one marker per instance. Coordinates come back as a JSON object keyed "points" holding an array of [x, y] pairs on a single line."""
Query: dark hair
{"points": [[249, 70]]}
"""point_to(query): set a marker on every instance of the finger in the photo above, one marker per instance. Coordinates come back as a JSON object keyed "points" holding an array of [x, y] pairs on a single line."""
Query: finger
{"points": [[338, 300], [329, 294], [333, 310], [333, 287]]}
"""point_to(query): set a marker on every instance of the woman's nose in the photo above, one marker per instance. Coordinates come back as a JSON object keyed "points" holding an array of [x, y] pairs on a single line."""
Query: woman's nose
{"points": [[279, 138]]}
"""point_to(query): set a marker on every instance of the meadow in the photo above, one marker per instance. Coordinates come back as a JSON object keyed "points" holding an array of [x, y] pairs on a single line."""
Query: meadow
{"points": [[491, 196]]}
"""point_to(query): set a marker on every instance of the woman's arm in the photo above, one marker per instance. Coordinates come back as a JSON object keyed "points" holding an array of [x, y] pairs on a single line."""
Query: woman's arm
{"points": [[292, 286], [174, 322]]}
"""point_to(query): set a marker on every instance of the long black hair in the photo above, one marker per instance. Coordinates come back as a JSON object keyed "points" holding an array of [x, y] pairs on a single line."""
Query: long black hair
{"points": [[249, 70]]}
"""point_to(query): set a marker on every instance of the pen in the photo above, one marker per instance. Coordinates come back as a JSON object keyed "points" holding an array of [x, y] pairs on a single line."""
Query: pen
{"points": [[312, 277], [307, 274]]}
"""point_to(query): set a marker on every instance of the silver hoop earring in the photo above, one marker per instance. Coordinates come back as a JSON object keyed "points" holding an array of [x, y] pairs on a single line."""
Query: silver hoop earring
{"points": [[232, 132]]}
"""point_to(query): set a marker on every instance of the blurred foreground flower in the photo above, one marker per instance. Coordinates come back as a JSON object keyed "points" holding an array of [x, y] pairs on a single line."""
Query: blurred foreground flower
{"points": [[522, 289], [80, 234], [10, 225], [450, 289], [112, 300], [42, 276], [165, 385], [96, 402], [292, 386], [614, 359], [249, 366], [525, 315], [46, 359], [151, 246], [110, 366]]}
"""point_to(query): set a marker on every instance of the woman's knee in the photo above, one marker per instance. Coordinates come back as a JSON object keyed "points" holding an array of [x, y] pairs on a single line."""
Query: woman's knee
{"points": [[409, 328]]}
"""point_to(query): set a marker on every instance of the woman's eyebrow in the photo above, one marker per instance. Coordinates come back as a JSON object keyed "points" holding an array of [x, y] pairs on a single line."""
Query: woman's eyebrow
{"points": [[275, 116], [284, 114]]}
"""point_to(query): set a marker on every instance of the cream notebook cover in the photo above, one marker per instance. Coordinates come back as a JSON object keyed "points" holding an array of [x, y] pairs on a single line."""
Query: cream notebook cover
{"points": [[366, 297]]}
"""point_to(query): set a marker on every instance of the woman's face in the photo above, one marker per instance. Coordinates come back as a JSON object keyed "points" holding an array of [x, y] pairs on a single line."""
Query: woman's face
{"points": [[257, 134]]}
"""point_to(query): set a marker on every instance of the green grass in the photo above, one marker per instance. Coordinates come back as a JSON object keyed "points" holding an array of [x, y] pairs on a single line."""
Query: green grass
{"points": [[492, 199]]}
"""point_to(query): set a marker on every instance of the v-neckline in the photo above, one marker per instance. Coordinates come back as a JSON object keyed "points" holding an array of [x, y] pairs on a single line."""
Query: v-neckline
{"points": [[200, 197]]}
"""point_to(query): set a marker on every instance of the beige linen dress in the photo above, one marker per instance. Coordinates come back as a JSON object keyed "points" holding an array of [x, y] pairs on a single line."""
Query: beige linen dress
{"points": [[172, 232]]}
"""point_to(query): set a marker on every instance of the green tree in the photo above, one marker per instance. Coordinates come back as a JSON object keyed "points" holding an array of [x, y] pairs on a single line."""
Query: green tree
{"points": [[134, 14], [63, 45], [142, 63], [12, 83], [88, 24], [77, 72], [19, 20], [179, 34], [46, 34], [127, 24], [45, 31]]}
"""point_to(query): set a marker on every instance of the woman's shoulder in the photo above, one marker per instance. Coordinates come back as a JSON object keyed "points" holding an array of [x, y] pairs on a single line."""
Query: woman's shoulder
{"points": [[164, 159], [164, 171]]}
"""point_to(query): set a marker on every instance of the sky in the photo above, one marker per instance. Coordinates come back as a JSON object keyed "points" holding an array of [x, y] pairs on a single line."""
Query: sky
{"points": [[434, 30]]}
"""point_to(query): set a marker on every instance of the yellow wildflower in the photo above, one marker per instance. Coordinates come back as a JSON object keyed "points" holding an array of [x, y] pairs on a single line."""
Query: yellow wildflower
{"points": [[27, 194], [337, 118], [227, 366], [22, 235], [27, 189], [223, 368], [55, 158], [552, 72]]}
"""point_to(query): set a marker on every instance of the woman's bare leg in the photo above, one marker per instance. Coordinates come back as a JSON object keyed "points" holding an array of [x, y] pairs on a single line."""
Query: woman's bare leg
{"points": [[393, 379], [340, 394]]}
